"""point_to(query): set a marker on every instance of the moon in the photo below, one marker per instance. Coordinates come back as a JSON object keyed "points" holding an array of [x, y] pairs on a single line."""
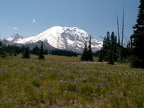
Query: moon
{"points": [[33, 20]]}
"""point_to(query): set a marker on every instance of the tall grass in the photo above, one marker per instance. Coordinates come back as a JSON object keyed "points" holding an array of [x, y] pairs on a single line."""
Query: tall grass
{"points": [[67, 82]]}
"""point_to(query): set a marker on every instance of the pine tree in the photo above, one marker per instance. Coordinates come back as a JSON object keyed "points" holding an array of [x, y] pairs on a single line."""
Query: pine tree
{"points": [[100, 59], [35, 50], [26, 53], [109, 50], [3, 54], [112, 49], [0, 46], [104, 50], [41, 54], [90, 55], [106, 46], [114, 46], [85, 53], [137, 39]]}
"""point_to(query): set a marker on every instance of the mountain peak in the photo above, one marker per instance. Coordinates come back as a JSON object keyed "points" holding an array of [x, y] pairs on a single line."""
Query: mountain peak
{"points": [[14, 38], [67, 38]]}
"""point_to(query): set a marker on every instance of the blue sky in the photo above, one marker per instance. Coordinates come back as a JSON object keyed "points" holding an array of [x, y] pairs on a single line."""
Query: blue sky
{"points": [[30, 17]]}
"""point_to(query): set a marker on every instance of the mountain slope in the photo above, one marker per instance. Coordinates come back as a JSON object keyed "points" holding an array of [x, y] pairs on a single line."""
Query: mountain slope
{"points": [[15, 38], [68, 38]]}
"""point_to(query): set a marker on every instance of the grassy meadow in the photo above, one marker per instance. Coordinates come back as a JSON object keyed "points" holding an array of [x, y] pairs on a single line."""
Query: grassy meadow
{"points": [[67, 82]]}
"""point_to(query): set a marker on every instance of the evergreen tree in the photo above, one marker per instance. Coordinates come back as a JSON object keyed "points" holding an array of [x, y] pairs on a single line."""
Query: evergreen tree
{"points": [[13, 51], [22, 49], [137, 39], [64, 53], [87, 53], [41, 53], [84, 56], [112, 49], [90, 55], [26, 53], [114, 46], [109, 49], [35, 50], [100, 59], [104, 50], [0, 46], [3, 54], [106, 47], [110, 58]]}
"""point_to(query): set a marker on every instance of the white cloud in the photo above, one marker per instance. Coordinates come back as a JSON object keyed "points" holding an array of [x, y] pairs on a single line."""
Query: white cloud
{"points": [[33, 20], [15, 28]]}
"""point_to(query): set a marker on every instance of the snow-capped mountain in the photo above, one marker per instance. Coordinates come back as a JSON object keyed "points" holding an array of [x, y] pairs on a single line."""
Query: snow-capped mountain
{"points": [[68, 38], [15, 38]]}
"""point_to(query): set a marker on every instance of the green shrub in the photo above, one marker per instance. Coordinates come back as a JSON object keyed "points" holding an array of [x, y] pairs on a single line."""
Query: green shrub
{"points": [[36, 82], [135, 62], [86, 89]]}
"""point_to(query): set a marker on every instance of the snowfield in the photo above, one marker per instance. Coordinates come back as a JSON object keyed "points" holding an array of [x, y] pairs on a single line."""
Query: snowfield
{"points": [[68, 38]]}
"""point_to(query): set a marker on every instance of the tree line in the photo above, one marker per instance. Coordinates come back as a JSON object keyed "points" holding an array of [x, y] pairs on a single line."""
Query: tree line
{"points": [[64, 53], [112, 50], [12, 50]]}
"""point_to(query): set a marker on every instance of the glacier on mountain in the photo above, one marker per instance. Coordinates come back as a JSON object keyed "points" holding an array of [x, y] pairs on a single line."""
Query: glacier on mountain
{"points": [[67, 38]]}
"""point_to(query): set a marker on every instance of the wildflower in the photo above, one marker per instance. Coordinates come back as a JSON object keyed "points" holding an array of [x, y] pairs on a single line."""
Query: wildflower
{"points": [[3, 70]]}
